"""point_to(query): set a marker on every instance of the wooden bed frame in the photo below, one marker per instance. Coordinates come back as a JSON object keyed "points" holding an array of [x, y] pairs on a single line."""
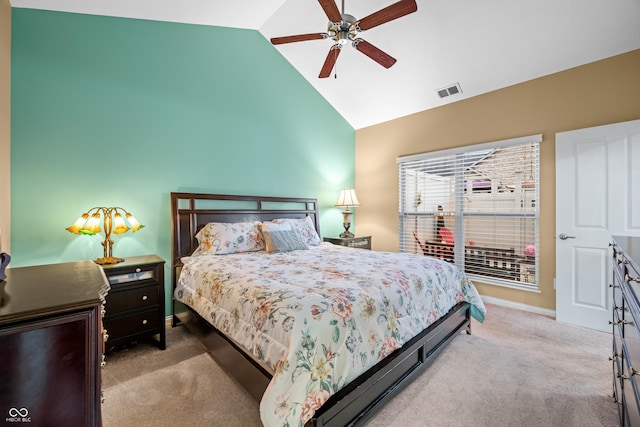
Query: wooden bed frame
{"points": [[357, 401]]}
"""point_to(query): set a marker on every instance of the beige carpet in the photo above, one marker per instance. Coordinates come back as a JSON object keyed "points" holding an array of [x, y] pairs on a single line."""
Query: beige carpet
{"points": [[517, 369]]}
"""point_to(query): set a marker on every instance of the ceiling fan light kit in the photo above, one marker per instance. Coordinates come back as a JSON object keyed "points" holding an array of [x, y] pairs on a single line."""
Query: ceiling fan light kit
{"points": [[344, 28]]}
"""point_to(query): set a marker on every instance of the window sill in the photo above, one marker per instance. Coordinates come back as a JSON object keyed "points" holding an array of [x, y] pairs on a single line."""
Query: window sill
{"points": [[504, 283]]}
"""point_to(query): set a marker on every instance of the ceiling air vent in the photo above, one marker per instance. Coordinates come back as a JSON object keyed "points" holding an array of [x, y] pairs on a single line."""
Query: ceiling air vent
{"points": [[449, 90]]}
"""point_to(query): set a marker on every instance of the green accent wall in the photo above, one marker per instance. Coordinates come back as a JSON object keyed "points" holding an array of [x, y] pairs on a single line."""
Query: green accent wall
{"points": [[121, 112]]}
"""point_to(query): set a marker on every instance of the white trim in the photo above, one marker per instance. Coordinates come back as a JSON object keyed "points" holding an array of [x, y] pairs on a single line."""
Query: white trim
{"points": [[519, 306], [531, 139], [504, 283]]}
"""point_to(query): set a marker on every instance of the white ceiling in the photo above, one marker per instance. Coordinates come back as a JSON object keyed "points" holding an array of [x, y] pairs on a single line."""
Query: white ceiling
{"points": [[482, 45]]}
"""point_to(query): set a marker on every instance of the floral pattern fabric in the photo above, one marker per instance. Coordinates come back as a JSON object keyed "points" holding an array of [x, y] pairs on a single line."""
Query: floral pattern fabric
{"points": [[226, 238], [320, 317]]}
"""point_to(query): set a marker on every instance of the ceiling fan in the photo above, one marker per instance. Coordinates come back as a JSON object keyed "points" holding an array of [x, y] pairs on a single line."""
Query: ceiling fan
{"points": [[343, 28]]}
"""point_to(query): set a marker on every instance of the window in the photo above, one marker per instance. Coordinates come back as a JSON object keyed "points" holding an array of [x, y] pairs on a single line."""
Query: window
{"points": [[477, 207]]}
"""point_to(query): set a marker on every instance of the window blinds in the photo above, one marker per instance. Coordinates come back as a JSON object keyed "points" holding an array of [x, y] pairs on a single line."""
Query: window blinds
{"points": [[477, 207]]}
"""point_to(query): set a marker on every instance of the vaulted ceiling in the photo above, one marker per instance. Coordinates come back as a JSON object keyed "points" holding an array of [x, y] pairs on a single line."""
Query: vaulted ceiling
{"points": [[480, 45]]}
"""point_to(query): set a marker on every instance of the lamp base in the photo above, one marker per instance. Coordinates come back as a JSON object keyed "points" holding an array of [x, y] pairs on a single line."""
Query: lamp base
{"points": [[346, 223], [346, 234], [108, 260]]}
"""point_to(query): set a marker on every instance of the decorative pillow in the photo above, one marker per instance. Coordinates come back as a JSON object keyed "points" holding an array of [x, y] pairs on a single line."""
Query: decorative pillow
{"points": [[283, 241], [305, 226], [217, 238]]}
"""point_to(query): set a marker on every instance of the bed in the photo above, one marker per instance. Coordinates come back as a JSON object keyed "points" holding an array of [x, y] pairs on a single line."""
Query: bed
{"points": [[347, 332]]}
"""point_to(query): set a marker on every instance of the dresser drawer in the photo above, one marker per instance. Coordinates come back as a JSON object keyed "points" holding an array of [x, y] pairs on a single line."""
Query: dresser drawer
{"points": [[134, 324], [140, 298], [630, 392], [631, 405], [617, 365], [632, 341], [617, 295], [626, 334]]}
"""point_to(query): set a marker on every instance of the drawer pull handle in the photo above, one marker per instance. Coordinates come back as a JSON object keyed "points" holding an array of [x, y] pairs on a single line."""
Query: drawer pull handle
{"points": [[144, 322], [144, 298], [138, 270], [633, 374], [632, 279], [625, 322]]}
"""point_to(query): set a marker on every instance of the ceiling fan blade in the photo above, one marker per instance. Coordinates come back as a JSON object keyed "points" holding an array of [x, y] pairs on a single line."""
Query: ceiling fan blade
{"points": [[298, 38], [389, 13], [331, 10], [332, 57], [374, 53]]}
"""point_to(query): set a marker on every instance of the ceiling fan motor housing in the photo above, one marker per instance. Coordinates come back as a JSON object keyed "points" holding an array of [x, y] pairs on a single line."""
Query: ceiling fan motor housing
{"points": [[343, 32]]}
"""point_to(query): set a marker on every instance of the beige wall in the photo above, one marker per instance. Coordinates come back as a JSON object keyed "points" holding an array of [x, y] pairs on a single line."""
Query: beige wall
{"points": [[603, 92], [5, 122]]}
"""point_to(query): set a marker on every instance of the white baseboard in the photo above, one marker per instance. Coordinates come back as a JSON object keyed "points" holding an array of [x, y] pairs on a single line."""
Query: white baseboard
{"points": [[519, 306]]}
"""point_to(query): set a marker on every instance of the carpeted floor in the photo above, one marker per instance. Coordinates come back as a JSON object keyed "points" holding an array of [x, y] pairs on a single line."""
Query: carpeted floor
{"points": [[517, 369]]}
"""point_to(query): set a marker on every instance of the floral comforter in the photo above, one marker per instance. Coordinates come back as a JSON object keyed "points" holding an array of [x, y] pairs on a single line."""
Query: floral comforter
{"points": [[321, 317]]}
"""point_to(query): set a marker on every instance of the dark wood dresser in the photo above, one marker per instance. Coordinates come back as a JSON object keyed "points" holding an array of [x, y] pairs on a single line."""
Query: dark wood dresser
{"points": [[134, 309], [626, 330], [51, 344]]}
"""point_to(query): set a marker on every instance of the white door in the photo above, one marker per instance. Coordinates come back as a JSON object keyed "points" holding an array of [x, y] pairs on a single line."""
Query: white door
{"points": [[597, 196]]}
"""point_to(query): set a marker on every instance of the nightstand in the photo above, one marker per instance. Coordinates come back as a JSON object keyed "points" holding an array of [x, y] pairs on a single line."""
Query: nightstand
{"points": [[362, 242], [134, 308]]}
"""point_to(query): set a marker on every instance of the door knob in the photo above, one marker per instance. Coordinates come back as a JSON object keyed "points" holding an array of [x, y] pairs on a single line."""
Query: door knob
{"points": [[564, 236]]}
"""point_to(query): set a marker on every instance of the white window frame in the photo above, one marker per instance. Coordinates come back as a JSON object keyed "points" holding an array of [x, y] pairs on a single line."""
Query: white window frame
{"points": [[459, 233]]}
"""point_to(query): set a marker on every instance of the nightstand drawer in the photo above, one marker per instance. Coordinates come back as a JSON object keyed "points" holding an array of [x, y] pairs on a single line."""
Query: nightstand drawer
{"points": [[133, 274], [132, 299], [138, 323], [134, 308], [360, 243], [363, 242]]}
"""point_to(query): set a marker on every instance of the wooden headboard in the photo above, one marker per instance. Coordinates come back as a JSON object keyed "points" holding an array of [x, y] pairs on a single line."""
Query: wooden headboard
{"points": [[191, 211]]}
